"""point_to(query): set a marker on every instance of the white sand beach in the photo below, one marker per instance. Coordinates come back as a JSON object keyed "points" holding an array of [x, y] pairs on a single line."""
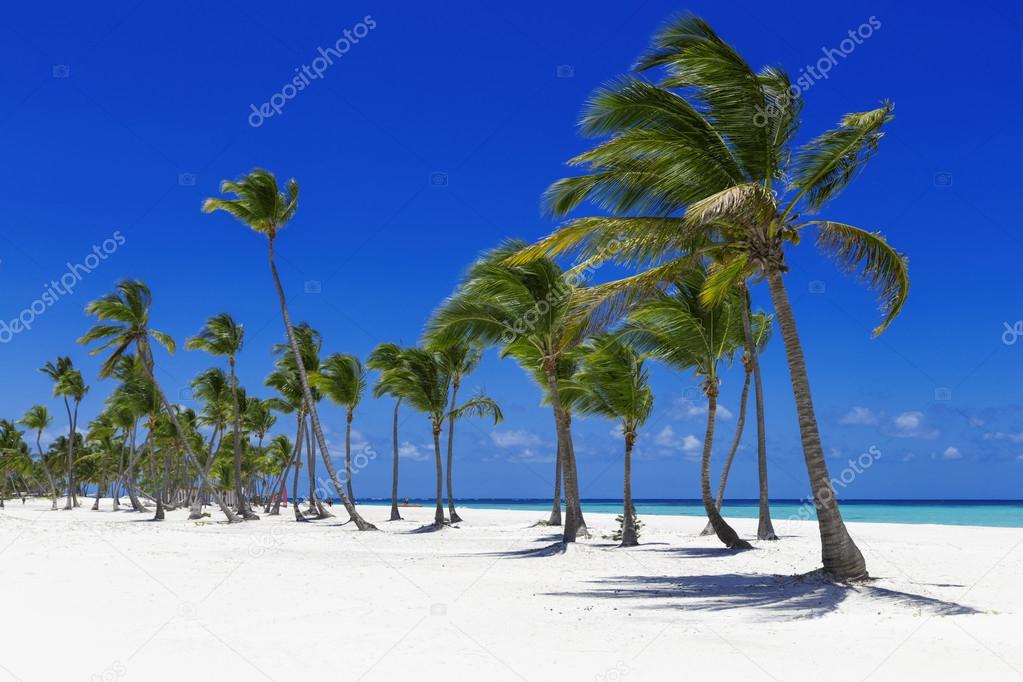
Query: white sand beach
{"points": [[105, 596]]}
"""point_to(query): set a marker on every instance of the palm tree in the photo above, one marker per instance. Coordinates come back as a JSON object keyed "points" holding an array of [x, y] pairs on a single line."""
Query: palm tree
{"points": [[213, 388], [222, 336], [68, 383], [127, 406], [460, 358], [682, 331], [291, 401], [759, 333], [124, 322], [342, 378], [528, 310], [423, 380], [15, 460], [38, 419], [309, 343], [259, 419], [383, 358], [612, 382], [260, 205], [703, 165]]}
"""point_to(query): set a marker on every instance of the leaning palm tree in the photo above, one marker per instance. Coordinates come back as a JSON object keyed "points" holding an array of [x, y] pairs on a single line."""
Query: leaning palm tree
{"points": [[703, 164], [461, 358], [123, 318], [685, 333], [263, 207], [342, 378], [383, 358], [527, 310], [759, 333], [222, 336], [612, 382], [38, 419]]}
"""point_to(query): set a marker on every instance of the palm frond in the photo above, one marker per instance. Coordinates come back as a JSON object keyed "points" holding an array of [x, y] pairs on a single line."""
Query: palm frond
{"points": [[882, 267]]}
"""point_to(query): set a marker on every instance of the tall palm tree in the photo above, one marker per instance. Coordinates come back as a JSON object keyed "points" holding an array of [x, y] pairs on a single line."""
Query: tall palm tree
{"points": [[38, 419], [383, 358], [69, 385], [223, 336], [123, 323], [342, 378], [259, 204], [685, 333], [528, 310], [612, 382], [460, 358], [703, 165]]}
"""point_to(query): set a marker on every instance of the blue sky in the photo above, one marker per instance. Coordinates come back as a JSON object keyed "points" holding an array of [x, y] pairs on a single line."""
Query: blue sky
{"points": [[432, 138]]}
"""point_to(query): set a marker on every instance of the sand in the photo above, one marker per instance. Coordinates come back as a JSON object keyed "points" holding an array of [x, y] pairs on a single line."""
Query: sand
{"points": [[112, 596]]}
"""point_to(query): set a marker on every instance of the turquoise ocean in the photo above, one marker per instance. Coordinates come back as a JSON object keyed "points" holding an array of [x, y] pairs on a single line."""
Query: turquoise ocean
{"points": [[999, 513]]}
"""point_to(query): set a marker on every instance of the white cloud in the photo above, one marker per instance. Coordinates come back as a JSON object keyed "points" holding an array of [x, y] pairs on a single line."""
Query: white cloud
{"points": [[512, 438], [1019, 458], [531, 456], [952, 453], [1002, 435], [911, 425], [687, 409], [667, 438], [412, 451], [859, 415], [618, 433]]}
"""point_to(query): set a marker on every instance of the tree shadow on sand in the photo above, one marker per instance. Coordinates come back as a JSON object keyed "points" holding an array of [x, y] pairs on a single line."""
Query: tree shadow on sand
{"points": [[774, 596]]}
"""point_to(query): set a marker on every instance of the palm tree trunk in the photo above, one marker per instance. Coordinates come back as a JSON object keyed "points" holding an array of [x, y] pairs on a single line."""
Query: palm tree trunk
{"points": [[136, 503], [765, 529], [294, 461], [725, 532], [195, 505], [315, 503], [70, 455], [452, 514], [71, 464], [46, 470], [189, 455], [438, 516], [574, 524], [739, 426], [242, 504], [348, 454], [840, 555], [99, 490], [360, 523], [629, 538], [395, 516], [294, 483], [555, 517]]}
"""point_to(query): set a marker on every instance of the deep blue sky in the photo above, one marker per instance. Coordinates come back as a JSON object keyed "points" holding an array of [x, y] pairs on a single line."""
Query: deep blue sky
{"points": [[125, 116]]}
